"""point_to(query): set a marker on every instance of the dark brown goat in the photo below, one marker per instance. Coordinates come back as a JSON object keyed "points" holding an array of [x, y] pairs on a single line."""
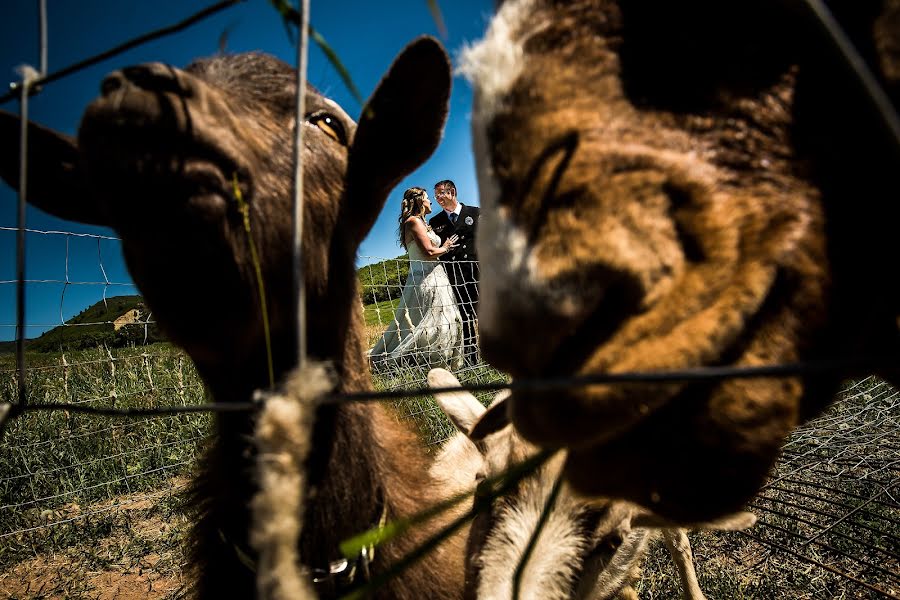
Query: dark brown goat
{"points": [[668, 185], [155, 159]]}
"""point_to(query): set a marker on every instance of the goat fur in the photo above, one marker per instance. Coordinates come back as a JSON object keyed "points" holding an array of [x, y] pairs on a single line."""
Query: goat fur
{"points": [[671, 185], [588, 549]]}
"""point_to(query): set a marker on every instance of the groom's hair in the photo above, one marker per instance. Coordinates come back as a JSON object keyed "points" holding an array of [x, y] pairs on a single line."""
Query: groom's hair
{"points": [[446, 182]]}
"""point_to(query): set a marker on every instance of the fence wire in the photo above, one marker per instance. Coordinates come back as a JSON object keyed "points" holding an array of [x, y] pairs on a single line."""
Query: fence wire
{"points": [[90, 504], [75, 487], [834, 495]]}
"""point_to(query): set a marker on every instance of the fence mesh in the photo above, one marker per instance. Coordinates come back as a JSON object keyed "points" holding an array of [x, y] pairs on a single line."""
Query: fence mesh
{"points": [[92, 505], [416, 319]]}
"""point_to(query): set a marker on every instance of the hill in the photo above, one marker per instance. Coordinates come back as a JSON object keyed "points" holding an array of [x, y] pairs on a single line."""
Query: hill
{"points": [[99, 324], [383, 280], [95, 325]]}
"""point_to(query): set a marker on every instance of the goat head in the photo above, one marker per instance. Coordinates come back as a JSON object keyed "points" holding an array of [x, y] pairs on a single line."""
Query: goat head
{"points": [[678, 185]]}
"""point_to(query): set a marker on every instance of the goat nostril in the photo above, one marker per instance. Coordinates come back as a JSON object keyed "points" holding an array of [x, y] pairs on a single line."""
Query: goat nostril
{"points": [[143, 76], [111, 83], [135, 74], [157, 77]]}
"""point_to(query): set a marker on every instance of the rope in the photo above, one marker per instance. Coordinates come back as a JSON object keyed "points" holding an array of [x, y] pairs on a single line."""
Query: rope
{"points": [[283, 439]]}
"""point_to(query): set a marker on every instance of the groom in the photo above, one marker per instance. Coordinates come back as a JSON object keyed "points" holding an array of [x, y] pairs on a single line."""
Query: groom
{"points": [[461, 262]]}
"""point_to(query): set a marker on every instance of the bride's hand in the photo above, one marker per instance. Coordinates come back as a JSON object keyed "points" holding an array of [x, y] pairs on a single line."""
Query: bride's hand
{"points": [[450, 242]]}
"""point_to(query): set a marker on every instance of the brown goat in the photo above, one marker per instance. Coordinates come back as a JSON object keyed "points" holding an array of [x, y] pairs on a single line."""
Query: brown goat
{"points": [[588, 549], [155, 159], [668, 185]]}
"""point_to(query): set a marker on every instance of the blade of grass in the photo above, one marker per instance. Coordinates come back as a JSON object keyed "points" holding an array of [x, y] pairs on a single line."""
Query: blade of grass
{"points": [[223, 38], [352, 547], [291, 16], [336, 62], [438, 18], [244, 209]]}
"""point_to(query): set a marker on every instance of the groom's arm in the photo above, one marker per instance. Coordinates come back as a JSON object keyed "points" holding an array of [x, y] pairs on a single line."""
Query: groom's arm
{"points": [[440, 228], [440, 224]]}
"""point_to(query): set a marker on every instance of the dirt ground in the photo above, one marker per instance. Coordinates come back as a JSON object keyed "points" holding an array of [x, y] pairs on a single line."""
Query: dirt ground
{"points": [[53, 577], [140, 560]]}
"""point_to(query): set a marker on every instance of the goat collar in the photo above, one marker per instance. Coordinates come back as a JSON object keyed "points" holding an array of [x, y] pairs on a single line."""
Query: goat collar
{"points": [[342, 575], [334, 580]]}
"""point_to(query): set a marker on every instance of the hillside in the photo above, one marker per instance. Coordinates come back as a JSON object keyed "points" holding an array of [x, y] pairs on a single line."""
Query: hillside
{"points": [[383, 280], [94, 326]]}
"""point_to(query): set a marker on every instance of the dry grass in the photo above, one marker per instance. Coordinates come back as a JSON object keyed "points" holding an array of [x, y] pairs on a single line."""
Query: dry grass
{"points": [[138, 555], [373, 333]]}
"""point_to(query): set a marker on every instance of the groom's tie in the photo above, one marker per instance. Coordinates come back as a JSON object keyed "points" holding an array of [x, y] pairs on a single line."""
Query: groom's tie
{"points": [[453, 218]]}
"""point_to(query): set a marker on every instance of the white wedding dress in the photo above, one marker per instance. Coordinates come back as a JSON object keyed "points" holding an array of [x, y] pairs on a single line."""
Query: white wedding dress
{"points": [[427, 327]]}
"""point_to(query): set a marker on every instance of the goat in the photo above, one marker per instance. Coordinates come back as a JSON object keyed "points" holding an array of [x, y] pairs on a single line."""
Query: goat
{"points": [[669, 186], [157, 157], [587, 549]]}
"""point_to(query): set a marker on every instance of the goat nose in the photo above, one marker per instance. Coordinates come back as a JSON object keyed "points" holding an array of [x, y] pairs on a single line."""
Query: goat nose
{"points": [[158, 77], [111, 83]]}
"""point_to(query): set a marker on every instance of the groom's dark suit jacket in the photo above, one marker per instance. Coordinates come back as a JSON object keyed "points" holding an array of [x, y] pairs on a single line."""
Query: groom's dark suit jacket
{"points": [[461, 262]]}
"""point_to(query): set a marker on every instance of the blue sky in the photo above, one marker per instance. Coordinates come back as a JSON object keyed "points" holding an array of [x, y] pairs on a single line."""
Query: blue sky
{"points": [[366, 35]]}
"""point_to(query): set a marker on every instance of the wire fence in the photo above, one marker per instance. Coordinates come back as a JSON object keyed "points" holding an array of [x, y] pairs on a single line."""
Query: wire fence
{"points": [[86, 493], [417, 319], [829, 516], [92, 505]]}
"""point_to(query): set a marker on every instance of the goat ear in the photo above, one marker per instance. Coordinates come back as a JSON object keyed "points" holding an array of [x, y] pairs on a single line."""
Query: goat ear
{"points": [[400, 126], [55, 182], [492, 421], [501, 397], [461, 407]]}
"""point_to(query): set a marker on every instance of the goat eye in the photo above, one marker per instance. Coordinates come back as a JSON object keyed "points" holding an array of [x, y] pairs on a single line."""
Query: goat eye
{"points": [[330, 125]]}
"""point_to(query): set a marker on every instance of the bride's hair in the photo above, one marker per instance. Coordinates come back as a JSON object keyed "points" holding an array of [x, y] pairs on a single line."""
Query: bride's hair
{"points": [[410, 206]]}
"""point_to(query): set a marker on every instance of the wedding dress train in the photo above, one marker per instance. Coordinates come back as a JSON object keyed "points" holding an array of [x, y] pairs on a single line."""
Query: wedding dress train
{"points": [[427, 328]]}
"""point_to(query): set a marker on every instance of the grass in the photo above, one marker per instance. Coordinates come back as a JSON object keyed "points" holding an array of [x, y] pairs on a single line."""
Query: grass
{"points": [[132, 552], [433, 426], [90, 504], [380, 313], [378, 316], [57, 469], [831, 500]]}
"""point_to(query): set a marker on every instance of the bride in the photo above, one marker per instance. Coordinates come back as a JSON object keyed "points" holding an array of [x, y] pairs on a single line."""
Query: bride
{"points": [[427, 327]]}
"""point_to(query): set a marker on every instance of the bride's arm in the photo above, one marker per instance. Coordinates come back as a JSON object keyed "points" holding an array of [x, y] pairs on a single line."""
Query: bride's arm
{"points": [[420, 235]]}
